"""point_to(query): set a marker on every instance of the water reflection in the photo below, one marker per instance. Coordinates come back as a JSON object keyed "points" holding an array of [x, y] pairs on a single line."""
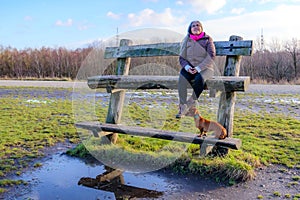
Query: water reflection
{"points": [[59, 175], [112, 180]]}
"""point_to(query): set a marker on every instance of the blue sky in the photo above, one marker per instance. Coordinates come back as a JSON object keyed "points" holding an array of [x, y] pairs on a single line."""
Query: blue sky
{"points": [[73, 23]]}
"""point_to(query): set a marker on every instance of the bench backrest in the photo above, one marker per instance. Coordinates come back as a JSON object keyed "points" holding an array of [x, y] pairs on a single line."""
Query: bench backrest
{"points": [[223, 48]]}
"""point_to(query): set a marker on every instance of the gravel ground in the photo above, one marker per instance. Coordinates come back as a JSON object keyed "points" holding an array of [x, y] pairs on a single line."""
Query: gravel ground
{"points": [[274, 89]]}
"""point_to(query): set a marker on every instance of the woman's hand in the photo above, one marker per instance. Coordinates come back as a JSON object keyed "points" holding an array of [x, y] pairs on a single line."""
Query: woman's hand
{"points": [[192, 71]]}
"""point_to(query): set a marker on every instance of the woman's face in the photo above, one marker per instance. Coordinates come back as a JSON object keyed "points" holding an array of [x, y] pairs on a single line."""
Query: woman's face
{"points": [[196, 28]]}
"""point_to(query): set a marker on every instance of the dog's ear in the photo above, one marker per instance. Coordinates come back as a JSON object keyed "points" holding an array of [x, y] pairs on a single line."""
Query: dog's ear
{"points": [[192, 109]]}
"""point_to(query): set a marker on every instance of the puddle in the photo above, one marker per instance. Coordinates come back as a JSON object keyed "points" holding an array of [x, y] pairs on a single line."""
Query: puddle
{"points": [[59, 176], [282, 101]]}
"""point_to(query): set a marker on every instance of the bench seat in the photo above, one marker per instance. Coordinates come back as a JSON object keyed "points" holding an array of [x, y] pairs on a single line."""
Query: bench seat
{"points": [[218, 83]]}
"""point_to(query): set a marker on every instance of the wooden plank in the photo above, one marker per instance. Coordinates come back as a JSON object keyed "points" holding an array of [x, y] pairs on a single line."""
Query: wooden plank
{"points": [[117, 98], [233, 48], [223, 48], [229, 84], [227, 100], [160, 134], [219, 83], [146, 50]]}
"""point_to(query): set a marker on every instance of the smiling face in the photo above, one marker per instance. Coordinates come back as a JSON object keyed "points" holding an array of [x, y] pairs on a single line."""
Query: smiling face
{"points": [[196, 28]]}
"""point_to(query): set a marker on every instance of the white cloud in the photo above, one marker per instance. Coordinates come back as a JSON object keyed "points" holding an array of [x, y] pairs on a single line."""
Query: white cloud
{"points": [[281, 22], [179, 3], [113, 15], [210, 6], [237, 11], [69, 22], [277, 1], [148, 17], [264, 1]]}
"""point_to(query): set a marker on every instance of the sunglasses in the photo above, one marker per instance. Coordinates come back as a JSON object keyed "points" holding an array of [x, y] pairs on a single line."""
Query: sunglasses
{"points": [[194, 25]]}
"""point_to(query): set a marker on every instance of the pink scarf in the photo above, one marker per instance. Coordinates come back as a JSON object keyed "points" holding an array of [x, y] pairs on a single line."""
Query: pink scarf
{"points": [[197, 37]]}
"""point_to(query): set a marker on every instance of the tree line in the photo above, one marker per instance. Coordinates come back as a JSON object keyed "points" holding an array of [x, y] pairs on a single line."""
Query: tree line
{"points": [[279, 62], [41, 63]]}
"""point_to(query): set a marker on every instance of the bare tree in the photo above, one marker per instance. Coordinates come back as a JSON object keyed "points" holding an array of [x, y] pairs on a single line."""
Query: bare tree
{"points": [[293, 48]]}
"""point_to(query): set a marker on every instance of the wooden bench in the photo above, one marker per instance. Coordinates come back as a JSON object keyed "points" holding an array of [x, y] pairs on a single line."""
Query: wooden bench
{"points": [[226, 86]]}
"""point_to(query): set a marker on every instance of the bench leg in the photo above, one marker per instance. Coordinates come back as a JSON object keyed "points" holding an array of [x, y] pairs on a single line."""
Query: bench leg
{"points": [[213, 93], [205, 149], [212, 150]]}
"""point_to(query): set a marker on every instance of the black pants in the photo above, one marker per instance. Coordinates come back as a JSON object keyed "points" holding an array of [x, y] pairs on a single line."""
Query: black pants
{"points": [[185, 79]]}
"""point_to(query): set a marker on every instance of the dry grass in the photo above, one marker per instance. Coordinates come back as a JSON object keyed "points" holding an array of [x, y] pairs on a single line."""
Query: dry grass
{"points": [[295, 81]]}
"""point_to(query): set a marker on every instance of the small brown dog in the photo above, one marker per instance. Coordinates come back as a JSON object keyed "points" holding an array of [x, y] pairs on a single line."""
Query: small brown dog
{"points": [[205, 125]]}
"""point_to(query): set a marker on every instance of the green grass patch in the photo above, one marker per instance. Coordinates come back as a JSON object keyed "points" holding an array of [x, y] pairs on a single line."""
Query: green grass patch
{"points": [[296, 178], [273, 138], [7, 182], [2, 190], [28, 127]]}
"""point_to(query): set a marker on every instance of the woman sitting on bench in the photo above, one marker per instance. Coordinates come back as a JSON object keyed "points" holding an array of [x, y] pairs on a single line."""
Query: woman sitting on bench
{"points": [[197, 55]]}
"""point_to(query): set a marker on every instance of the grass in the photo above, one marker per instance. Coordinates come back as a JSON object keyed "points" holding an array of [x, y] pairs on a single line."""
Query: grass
{"points": [[29, 127], [273, 138]]}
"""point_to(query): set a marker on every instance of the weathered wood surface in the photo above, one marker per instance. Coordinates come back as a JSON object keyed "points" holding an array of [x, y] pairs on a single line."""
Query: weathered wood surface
{"points": [[223, 48], [227, 99], [116, 102], [219, 83], [161, 134]]}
